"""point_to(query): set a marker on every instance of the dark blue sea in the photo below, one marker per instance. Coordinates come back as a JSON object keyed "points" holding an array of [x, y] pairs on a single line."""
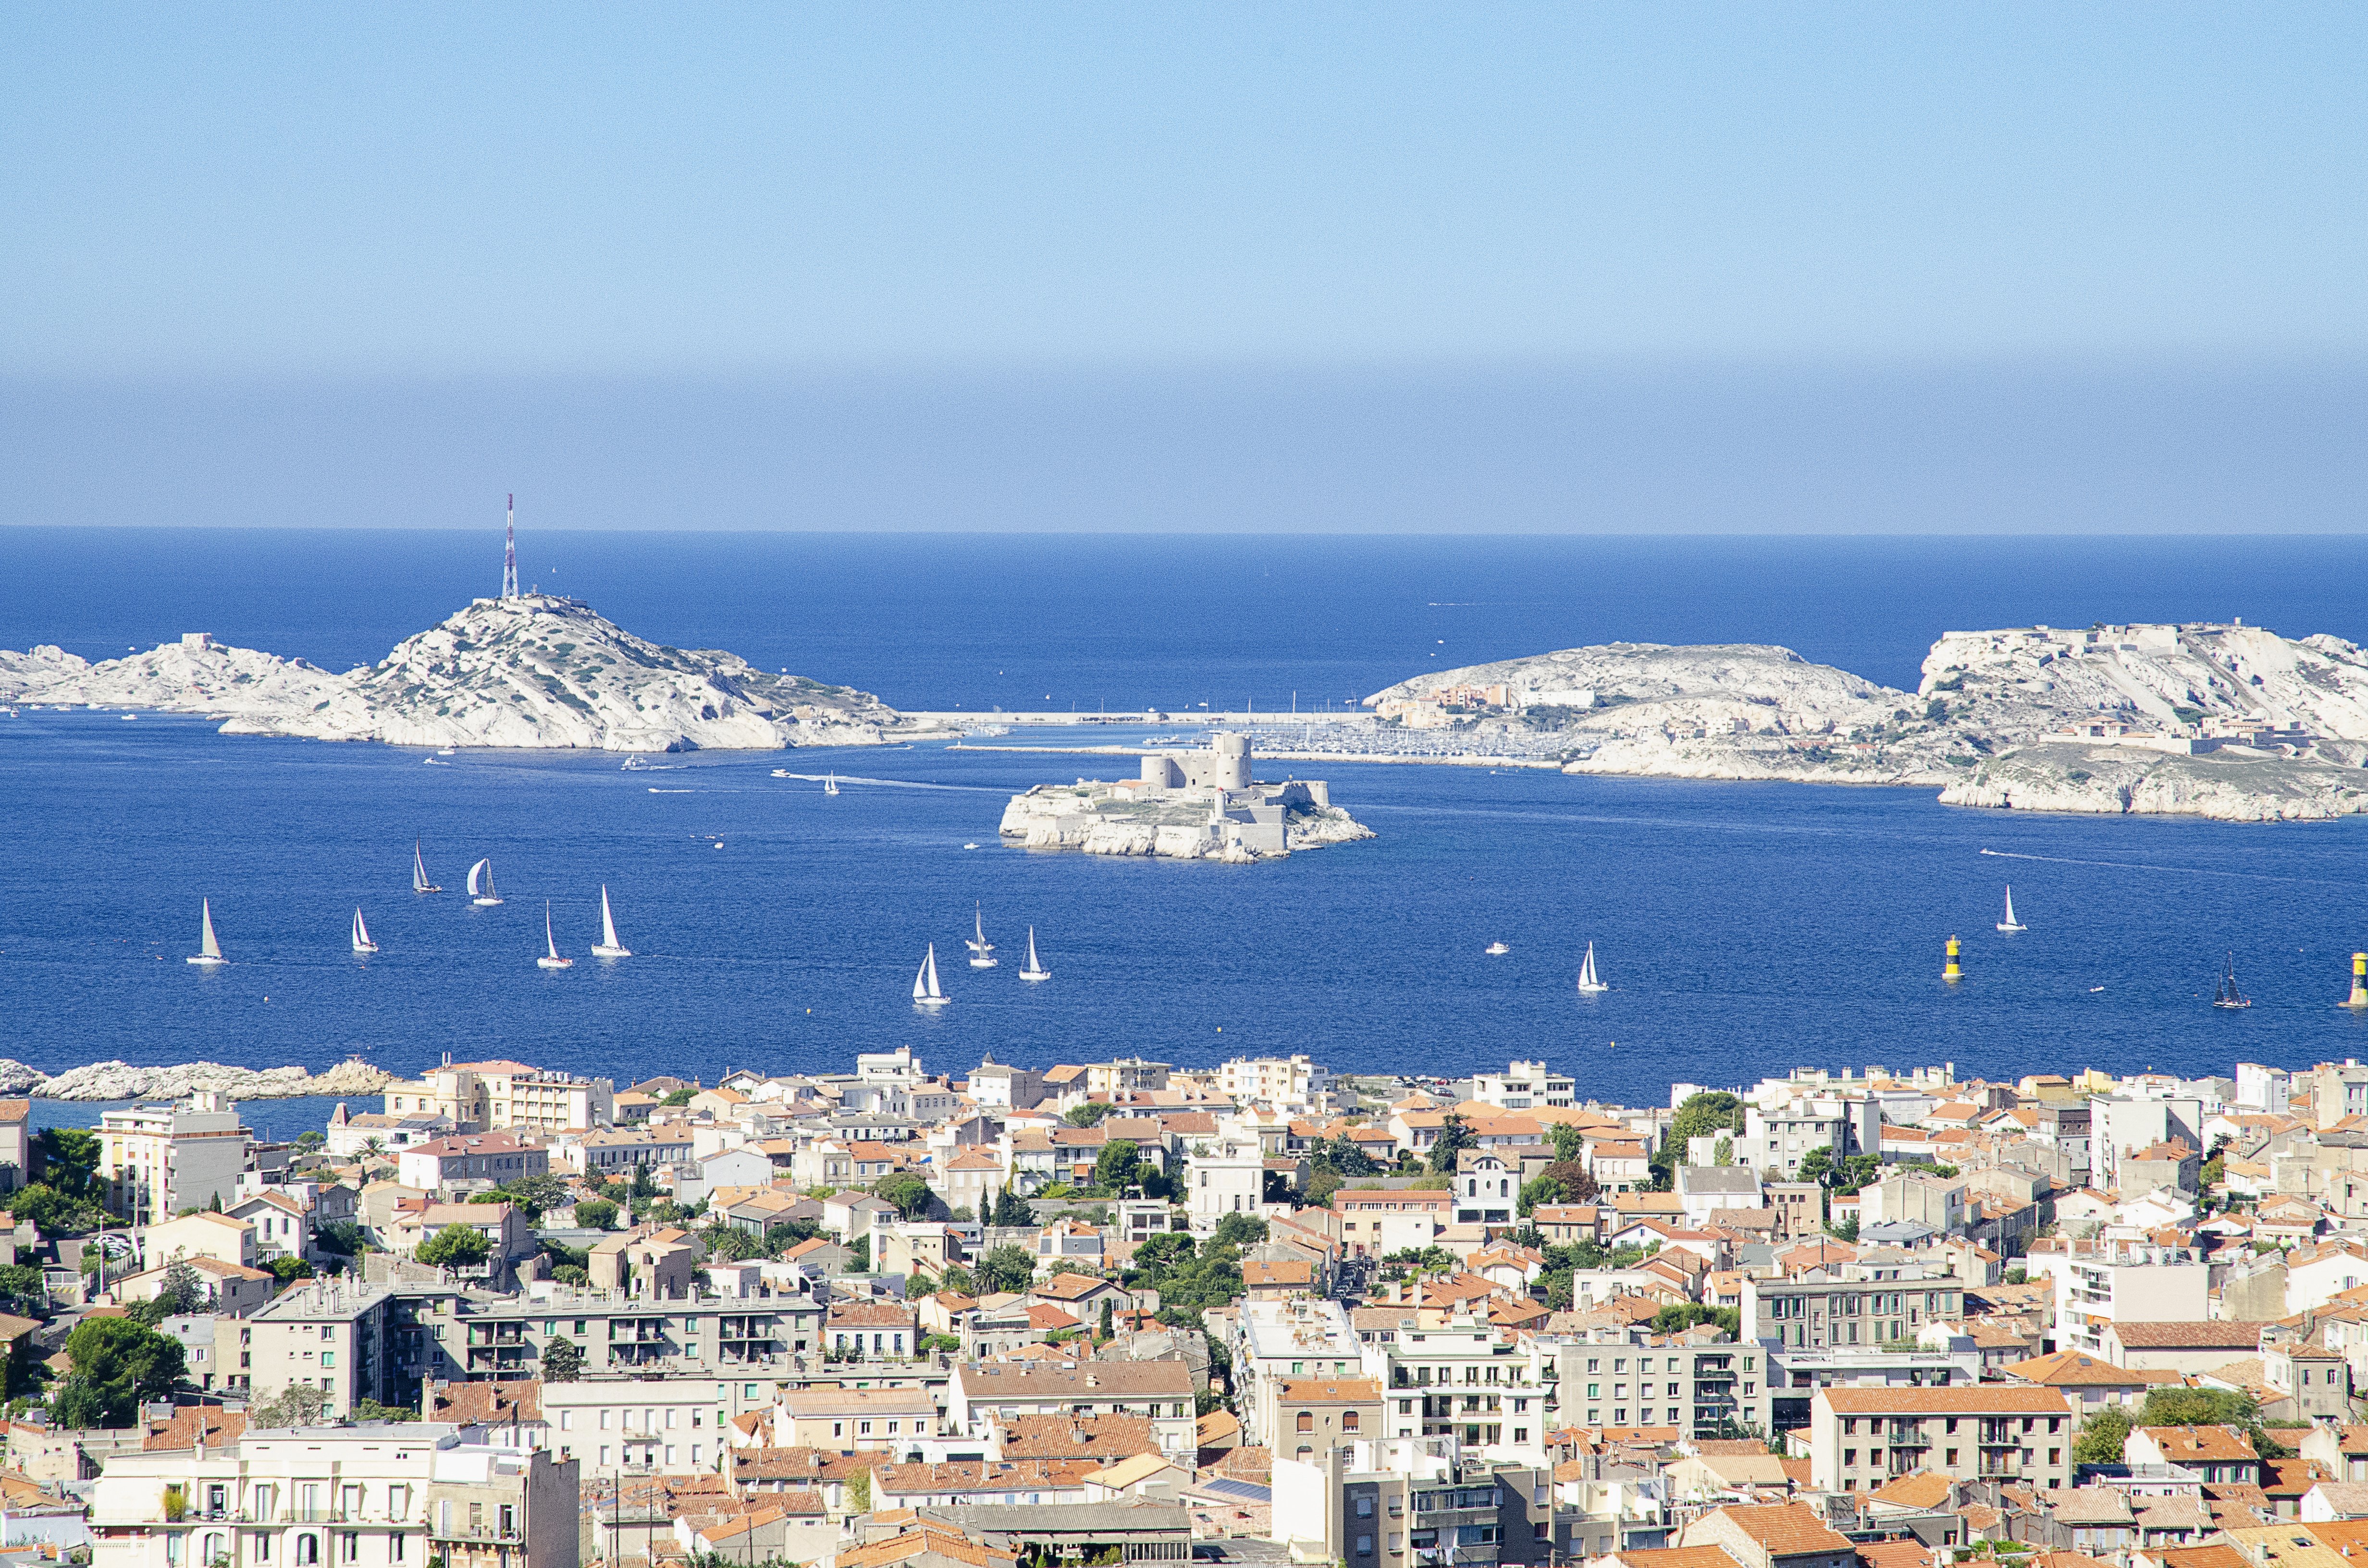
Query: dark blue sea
{"points": [[1745, 928]]}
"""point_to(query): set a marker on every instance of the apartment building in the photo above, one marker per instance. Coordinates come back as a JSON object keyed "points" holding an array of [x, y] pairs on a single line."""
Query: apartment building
{"points": [[1796, 1374], [1523, 1085], [1863, 1439], [1703, 1385], [373, 1496], [1283, 1082], [868, 1420], [1108, 1080], [489, 1096], [1308, 1415], [1000, 1391], [158, 1160], [616, 1151], [2127, 1283], [489, 1159], [328, 1335], [1782, 1127], [1406, 1501], [1375, 1221], [1852, 1304], [1276, 1341], [1226, 1178], [1010, 1088], [1460, 1381]]}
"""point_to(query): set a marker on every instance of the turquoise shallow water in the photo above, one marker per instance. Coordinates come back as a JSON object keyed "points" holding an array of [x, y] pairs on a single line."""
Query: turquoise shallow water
{"points": [[1745, 928]]}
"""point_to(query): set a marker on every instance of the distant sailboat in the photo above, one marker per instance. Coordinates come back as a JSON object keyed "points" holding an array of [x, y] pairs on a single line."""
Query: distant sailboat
{"points": [[1588, 984], [551, 945], [1035, 969], [608, 947], [830, 784], [209, 951], [982, 951], [2227, 994], [420, 882], [480, 884], [2010, 923], [1497, 950], [362, 943], [926, 991]]}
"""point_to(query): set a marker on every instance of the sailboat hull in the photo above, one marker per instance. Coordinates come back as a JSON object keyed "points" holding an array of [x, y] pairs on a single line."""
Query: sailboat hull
{"points": [[603, 950], [983, 963], [365, 947], [2010, 930], [204, 962], [554, 964]]}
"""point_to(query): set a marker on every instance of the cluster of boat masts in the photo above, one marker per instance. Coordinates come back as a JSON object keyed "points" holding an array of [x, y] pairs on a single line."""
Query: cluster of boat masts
{"points": [[928, 992], [481, 893]]}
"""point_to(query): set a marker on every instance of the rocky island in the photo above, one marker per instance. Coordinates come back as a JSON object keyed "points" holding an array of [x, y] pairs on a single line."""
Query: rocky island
{"points": [[122, 1081], [519, 670], [1189, 805], [2223, 721]]}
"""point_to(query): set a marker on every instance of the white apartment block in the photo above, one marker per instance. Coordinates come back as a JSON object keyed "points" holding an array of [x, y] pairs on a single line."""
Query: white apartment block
{"points": [[486, 1096], [160, 1159], [1523, 1085], [1289, 1342], [1226, 1178], [655, 1426], [374, 1496], [1283, 1082], [2129, 1284]]}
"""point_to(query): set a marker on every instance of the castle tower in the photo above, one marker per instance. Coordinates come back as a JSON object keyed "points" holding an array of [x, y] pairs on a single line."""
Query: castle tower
{"points": [[1954, 971], [510, 553]]}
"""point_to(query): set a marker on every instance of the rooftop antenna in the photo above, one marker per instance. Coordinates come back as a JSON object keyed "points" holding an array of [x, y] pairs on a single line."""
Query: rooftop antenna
{"points": [[509, 552]]}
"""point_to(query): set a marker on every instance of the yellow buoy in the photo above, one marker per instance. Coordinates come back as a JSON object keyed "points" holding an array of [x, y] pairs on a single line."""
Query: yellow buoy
{"points": [[1954, 971], [2359, 997]]}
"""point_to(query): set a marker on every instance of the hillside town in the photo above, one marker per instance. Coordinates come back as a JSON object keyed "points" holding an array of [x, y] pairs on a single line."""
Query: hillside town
{"points": [[1121, 1311]]}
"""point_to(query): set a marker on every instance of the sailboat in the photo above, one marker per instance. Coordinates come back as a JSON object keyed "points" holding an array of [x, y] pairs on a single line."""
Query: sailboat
{"points": [[480, 884], [1497, 950], [420, 882], [830, 784], [2227, 994], [1588, 984], [1035, 969], [2010, 923], [208, 953], [926, 991], [982, 951], [362, 943], [551, 945], [608, 947]]}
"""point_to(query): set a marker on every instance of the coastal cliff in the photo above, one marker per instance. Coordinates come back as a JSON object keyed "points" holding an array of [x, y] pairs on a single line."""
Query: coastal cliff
{"points": [[535, 670], [2227, 722]]}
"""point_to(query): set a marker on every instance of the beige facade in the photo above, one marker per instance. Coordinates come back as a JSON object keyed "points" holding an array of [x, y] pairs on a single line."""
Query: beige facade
{"points": [[160, 1159], [488, 1096], [374, 1496], [203, 1234], [1863, 1439]]}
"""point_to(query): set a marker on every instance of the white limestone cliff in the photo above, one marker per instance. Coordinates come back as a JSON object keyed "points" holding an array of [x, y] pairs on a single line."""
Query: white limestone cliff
{"points": [[536, 670], [122, 1081]]}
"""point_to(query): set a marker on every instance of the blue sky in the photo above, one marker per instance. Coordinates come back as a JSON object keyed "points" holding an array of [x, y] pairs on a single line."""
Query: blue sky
{"points": [[439, 208]]}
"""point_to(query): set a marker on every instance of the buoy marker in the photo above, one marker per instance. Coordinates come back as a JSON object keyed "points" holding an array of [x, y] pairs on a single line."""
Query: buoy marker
{"points": [[1954, 971], [2358, 1000]]}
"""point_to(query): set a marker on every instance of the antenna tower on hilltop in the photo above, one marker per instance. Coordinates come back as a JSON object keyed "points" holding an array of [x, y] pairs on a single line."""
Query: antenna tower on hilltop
{"points": [[510, 553]]}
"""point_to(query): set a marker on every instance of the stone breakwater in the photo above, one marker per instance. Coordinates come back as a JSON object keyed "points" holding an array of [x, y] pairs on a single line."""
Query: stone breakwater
{"points": [[122, 1081]]}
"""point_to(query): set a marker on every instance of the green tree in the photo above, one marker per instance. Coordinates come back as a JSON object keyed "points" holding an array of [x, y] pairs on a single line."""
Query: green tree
{"points": [[1542, 1189], [67, 1159], [1108, 1318], [288, 1270], [22, 1282], [1238, 1230], [860, 1256], [118, 1365], [595, 1215], [858, 1493], [1843, 1230], [2101, 1436], [645, 1186], [1723, 1152], [1114, 1167], [908, 1192], [298, 1404], [563, 1362], [681, 1096], [1676, 1319], [455, 1246], [725, 1244], [1568, 1145], [1012, 1210], [1349, 1159], [1088, 1114], [366, 1410], [1712, 1111], [1007, 1268], [341, 1236], [1454, 1138], [1816, 1165], [180, 1291], [55, 1214]]}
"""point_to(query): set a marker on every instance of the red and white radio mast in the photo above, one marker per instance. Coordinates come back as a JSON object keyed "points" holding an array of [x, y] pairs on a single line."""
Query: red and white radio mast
{"points": [[510, 553]]}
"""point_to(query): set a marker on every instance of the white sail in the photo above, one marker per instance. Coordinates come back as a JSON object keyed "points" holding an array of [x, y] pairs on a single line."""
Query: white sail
{"points": [[2010, 923], [609, 946], [362, 943], [209, 950], [420, 882], [982, 951], [1588, 982], [481, 883], [830, 784], [926, 989], [551, 958], [1035, 969]]}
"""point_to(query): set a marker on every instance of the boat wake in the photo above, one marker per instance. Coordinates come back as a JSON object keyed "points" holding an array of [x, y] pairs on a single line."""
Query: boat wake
{"points": [[656, 790], [887, 783], [2175, 870]]}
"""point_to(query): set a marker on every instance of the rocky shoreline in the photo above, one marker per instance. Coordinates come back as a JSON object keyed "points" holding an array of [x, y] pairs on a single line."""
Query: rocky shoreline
{"points": [[122, 1081]]}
